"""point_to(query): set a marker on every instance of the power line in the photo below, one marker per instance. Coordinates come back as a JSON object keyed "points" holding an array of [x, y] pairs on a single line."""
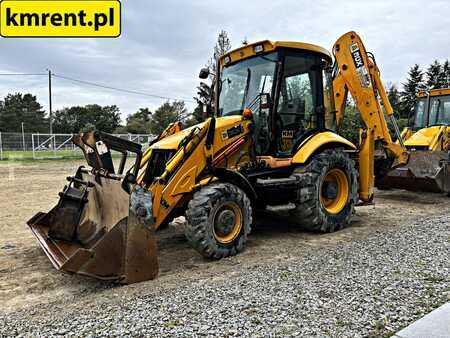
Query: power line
{"points": [[130, 91], [119, 89], [22, 74]]}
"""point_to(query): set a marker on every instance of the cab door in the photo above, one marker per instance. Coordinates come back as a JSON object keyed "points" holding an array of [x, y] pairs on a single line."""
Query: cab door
{"points": [[297, 111]]}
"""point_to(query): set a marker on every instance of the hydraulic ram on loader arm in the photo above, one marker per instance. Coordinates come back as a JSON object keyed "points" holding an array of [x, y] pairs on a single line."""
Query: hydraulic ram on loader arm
{"points": [[356, 72]]}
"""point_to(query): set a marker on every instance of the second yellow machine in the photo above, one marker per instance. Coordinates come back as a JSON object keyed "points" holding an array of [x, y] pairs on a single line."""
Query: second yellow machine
{"points": [[270, 143], [428, 141]]}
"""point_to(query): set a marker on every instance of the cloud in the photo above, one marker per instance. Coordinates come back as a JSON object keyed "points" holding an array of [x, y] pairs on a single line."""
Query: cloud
{"points": [[165, 43]]}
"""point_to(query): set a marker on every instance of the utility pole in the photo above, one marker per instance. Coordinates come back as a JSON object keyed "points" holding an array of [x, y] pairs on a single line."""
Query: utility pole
{"points": [[50, 117], [23, 138]]}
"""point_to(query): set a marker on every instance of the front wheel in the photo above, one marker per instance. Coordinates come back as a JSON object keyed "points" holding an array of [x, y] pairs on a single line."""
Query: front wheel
{"points": [[328, 192], [219, 218]]}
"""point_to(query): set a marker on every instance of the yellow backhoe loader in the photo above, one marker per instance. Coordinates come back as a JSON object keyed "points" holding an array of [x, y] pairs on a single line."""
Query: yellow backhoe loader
{"points": [[428, 140], [270, 143]]}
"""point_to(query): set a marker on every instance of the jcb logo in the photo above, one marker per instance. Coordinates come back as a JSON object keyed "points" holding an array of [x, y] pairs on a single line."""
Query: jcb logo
{"points": [[356, 55], [67, 18]]}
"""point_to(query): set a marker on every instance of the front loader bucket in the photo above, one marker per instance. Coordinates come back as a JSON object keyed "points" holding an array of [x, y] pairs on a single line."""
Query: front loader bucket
{"points": [[94, 231], [425, 171]]}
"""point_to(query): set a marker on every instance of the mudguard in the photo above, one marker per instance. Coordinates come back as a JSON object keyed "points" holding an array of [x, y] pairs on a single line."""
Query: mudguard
{"points": [[320, 140]]}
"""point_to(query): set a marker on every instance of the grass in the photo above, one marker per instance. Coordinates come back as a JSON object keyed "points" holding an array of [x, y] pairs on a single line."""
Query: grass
{"points": [[47, 154], [26, 157]]}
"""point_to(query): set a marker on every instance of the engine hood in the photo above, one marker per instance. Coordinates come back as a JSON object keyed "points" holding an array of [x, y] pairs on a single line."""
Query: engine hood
{"points": [[423, 137], [172, 141]]}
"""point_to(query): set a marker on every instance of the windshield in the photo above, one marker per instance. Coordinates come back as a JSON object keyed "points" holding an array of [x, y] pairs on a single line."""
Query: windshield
{"points": [[243, 82], [440, 110]]}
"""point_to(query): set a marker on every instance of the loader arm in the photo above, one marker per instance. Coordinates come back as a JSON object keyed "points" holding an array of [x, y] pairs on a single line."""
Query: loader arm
{"points": [[356, 72]]}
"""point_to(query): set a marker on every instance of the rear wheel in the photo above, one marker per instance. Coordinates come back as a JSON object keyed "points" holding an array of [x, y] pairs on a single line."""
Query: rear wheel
{"points": [[219, 220], [328, 192]]}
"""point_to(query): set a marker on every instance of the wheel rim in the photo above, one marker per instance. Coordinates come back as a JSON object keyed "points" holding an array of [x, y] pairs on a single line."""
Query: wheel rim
{"points": [[334, 191], [227, 222]]}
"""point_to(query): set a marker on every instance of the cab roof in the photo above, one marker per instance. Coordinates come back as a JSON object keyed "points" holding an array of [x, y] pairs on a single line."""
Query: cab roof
{"points": [[247, 51], [434, 92]]}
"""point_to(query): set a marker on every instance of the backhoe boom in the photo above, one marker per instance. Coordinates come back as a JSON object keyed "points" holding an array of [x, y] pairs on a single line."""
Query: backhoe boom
{"points": [[356, 72]]}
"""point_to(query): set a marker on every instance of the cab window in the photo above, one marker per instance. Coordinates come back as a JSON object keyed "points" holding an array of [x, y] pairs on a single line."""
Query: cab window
{"points": [[440, 111], [419, 119]]}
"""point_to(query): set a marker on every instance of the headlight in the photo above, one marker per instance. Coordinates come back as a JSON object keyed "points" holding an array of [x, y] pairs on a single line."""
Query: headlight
{"points": [[258, 49]]}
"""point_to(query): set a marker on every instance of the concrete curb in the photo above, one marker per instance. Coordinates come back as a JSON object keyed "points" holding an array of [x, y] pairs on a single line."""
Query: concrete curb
{"points": [[436, 324]]}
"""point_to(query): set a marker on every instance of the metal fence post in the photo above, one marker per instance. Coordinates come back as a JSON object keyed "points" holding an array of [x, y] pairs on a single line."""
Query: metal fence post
{"points": [[32, 145], [23, 138], [54, 145], [1, 147]]}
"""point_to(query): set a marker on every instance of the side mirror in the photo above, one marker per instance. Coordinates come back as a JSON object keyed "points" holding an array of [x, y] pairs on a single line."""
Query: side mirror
{"points": [[128, 180], [204, 73]]}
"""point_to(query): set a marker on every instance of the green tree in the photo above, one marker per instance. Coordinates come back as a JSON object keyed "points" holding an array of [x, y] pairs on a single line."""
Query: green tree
{"points": [[394, 98], [408, 96], [222, 46], [351, 123], [77, 118], [204, 92], [445, 74], [434, 75], [138, 123], [166, 114], [17, 108], [202, 99]]}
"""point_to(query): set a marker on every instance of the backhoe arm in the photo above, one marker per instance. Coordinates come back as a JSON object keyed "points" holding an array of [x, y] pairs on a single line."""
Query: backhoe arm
{"points": [[357, 73]]}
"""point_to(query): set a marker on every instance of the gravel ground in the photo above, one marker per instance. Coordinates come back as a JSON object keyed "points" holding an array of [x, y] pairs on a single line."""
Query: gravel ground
{"points": [[369, 287]]}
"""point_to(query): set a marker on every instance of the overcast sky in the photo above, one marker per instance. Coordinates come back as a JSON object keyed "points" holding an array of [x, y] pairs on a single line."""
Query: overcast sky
{"points": [[165, 43]]}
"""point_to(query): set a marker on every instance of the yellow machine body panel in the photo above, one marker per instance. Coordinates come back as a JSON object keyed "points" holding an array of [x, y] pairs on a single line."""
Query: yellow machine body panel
{"points": [[318, 141], [223, 123], [434, 92], [188, 162], [406, 134], [265, 46], [428, 137], [172, 141]]}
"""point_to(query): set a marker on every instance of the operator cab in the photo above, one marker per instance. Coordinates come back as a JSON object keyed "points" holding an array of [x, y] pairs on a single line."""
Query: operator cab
{"points": [[285, 86], [432, 109]]}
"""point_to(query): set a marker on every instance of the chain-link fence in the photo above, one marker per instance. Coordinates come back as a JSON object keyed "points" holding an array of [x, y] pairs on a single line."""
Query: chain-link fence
{"points": [[24, 146]]}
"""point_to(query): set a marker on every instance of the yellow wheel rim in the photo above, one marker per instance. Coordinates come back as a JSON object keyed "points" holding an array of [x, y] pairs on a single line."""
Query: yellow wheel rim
{"points": [[227, 222], [334, 191]]}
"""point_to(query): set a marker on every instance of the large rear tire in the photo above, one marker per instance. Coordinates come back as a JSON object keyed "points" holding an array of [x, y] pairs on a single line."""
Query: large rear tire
{"points": [[328, 192], [219, 218]]}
